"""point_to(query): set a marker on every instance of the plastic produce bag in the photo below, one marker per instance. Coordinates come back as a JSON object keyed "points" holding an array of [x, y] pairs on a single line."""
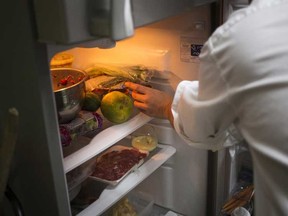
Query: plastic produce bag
{"points": [[113, 76]]}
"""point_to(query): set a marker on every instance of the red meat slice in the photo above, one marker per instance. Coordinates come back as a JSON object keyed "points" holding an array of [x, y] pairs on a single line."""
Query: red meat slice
{"points": [[113, 165]]}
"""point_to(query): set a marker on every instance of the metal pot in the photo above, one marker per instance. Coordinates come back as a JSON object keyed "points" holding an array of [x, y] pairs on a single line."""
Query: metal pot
{"points": [[69, 91]]}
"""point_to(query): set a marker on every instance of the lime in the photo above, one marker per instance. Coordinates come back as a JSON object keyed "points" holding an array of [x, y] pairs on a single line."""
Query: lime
{"points": [[91, 102]]}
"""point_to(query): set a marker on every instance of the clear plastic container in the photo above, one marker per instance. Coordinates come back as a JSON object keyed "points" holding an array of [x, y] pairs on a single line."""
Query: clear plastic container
{"points": [[133, 204], [142, 203], [145, 138]]}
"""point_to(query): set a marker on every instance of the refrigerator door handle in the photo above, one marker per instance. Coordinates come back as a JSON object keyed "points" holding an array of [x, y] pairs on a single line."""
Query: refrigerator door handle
{"points": [[122, 20], [111, 18]]}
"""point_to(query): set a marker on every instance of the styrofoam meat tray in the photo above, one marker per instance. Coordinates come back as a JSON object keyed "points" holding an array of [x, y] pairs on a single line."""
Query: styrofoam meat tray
{"points": [[133, 168]]}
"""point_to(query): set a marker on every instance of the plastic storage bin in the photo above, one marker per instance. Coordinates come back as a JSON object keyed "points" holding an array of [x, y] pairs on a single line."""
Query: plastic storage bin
{"points": [[134, 203], [142, 203]]}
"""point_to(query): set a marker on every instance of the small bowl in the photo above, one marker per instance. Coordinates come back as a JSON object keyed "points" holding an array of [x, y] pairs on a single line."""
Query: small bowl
{"points": [[69, 91], [145, 138]]}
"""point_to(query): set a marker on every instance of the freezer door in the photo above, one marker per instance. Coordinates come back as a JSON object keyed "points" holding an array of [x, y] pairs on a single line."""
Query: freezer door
{"points": [[69, 22]]}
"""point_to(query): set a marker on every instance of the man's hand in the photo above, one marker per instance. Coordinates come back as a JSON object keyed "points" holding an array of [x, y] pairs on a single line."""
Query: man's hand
{"points": [[151, 101]]}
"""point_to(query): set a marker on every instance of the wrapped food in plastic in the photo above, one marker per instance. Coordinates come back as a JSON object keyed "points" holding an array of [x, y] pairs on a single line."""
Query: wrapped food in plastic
{"points": [[66, 138], [84, 122], [92, 120], [113, 76], [113, 165]]}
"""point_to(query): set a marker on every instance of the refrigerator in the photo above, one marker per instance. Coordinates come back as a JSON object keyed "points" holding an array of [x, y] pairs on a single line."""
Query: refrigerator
{"points": [[167, 35]]}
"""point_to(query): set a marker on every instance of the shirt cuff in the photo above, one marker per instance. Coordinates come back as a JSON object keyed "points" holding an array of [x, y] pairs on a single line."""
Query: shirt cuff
{"points": [[214, 143]]}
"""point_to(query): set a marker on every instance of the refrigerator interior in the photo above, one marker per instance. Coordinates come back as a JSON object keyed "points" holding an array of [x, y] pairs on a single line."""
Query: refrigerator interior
{"points": [[207, 179], [166, 46]]}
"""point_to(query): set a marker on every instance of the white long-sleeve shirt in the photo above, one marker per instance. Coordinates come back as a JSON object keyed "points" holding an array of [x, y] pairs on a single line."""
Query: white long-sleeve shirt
{"points": [[243, 80]]}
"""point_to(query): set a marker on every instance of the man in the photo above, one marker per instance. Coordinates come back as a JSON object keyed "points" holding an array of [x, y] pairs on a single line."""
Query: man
{"points": [[243, 80]]}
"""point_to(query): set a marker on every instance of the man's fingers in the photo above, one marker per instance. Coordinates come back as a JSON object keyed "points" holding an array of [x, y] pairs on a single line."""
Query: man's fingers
{"points": [[135, 87], [137, 96], [140, 105]]}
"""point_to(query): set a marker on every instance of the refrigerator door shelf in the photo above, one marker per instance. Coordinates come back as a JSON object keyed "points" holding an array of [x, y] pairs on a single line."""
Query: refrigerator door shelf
{"points": [[104, 140], [111, 194]]}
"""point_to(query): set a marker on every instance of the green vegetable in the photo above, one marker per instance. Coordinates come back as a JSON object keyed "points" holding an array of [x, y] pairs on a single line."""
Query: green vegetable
{"points": [[94, 72], [92, 101], [135, 73]]}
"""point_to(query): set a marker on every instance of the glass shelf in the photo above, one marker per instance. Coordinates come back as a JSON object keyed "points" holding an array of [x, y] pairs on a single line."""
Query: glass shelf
{"points": [[104, 140], [111, 194]]}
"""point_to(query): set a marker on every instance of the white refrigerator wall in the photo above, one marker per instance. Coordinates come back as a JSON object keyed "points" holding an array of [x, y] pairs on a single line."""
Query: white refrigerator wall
{"points": [[180, 184], [164, 45]]}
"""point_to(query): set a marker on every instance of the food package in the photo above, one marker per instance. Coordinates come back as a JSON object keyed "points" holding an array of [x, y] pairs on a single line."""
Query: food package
{"points": [[84, 122], [116, 163], [113, 76]]}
